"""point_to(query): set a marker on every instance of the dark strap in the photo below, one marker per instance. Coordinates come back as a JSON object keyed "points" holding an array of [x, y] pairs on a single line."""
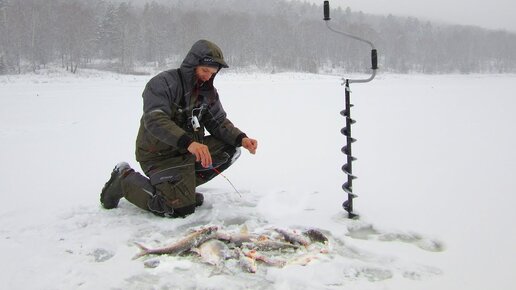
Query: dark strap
{"points": [[181, 79], [182, 101]]}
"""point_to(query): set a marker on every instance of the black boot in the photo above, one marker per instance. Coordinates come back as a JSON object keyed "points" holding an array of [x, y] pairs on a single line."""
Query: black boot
{"points": [[112, 191], [199, 199]]}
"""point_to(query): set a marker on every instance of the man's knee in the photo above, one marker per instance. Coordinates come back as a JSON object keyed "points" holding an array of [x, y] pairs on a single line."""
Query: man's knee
{"points": [[175, 193]]}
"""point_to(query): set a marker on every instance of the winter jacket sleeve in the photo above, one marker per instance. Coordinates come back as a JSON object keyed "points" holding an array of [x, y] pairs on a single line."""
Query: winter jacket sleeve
{"points": [[220, 126], [158, 113]]}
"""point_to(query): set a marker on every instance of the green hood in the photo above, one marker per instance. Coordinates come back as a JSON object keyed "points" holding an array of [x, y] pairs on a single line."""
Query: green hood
{"points": [[203, 49]]}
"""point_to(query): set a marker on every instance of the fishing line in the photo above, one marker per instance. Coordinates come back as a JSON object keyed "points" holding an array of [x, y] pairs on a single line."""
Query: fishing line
{"points": [[220, 173]]}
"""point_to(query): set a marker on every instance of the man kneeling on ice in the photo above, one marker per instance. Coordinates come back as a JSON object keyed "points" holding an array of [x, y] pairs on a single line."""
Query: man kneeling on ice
{"points": [[178, 105]]}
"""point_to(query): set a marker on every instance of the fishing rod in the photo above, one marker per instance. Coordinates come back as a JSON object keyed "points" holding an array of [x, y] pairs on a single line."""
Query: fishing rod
{"points": [[346, 131]]}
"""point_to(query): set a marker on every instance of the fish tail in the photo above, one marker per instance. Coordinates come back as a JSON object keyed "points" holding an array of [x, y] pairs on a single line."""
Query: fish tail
{"points": [[144, 251]]}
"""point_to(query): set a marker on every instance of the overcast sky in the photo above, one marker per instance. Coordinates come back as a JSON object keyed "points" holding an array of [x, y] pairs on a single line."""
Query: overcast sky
{"points": [[494, 14]]}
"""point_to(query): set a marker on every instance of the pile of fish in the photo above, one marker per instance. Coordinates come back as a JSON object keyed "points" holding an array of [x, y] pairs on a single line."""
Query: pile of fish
{"points": [[215, 246]]}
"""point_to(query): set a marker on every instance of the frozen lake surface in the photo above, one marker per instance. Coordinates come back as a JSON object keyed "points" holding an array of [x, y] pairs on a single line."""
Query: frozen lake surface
{"points": [[436, 177]]}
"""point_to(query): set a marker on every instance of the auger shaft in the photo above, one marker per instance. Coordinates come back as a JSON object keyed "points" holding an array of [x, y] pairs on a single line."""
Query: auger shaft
{"points": [[348, 167]]}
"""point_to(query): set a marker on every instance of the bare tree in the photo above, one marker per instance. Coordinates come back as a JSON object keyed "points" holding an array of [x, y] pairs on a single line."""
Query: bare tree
{"points": [[268, 34]]}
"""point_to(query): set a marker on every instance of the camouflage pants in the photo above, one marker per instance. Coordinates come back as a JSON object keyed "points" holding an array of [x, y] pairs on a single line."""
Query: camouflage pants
{"points": [[169, 188]]}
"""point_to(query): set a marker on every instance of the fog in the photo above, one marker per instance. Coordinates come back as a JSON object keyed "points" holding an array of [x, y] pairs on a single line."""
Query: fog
{"points": [[496, 14], [267, 35]]}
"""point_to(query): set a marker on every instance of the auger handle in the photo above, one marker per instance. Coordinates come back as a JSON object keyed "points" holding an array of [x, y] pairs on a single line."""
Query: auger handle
{"points": [[374, 59], [326, 11], [374, 52]]}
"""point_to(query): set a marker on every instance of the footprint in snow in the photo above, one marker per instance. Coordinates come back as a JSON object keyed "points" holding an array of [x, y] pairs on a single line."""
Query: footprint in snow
{"points": [[101, 255], [361, 230]]}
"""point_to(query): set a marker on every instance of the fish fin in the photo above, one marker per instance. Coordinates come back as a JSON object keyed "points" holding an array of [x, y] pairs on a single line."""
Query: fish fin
{"points": [[244, 230], [196, 250], [144, 251]]}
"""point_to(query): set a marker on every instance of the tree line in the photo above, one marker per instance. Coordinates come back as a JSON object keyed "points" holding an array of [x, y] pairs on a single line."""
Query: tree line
{"points": [[267, 35]]}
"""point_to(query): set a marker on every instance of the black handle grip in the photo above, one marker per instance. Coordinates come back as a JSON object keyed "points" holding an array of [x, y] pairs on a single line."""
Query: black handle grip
{"points": [[374, 59], [326, 10]]}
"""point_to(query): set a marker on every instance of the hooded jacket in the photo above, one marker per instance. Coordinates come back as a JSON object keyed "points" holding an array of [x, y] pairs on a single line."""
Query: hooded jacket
{"points": [[172, 98]]}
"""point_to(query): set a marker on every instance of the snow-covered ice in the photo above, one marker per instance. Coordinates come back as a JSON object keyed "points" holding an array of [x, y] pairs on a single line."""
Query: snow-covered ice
{"points": [[435, 183]]}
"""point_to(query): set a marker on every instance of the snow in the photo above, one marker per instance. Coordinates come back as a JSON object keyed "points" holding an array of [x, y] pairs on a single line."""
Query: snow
{"points": [[435, 178]]}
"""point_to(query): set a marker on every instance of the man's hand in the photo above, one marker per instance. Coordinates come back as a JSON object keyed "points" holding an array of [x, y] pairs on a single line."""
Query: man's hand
{"points": [[250, 144], [201, 152]]}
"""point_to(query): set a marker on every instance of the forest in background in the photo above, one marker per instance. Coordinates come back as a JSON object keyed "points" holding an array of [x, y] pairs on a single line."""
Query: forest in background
{"points": [[265, 35]]}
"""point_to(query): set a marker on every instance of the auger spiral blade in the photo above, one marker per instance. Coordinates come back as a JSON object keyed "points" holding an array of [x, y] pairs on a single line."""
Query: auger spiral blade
{"points": [[345, 113], [346, 150], [348, 189], [347, 169], [348, 206], [345, 131]]}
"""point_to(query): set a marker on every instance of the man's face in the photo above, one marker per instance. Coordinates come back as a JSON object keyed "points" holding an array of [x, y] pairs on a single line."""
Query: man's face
{"points": [[205, 73]]}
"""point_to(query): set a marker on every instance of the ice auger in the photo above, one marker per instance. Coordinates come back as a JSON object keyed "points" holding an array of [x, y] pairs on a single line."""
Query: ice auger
{"points": [[346, 131]]}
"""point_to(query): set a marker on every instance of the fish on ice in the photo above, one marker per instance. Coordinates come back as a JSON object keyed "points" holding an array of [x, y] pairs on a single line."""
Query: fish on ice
{"points": [[213, 252], [248, 264], [316, 236], [192, 240], [253, 254], [266, 244], [237, 238], [293, 238]]}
